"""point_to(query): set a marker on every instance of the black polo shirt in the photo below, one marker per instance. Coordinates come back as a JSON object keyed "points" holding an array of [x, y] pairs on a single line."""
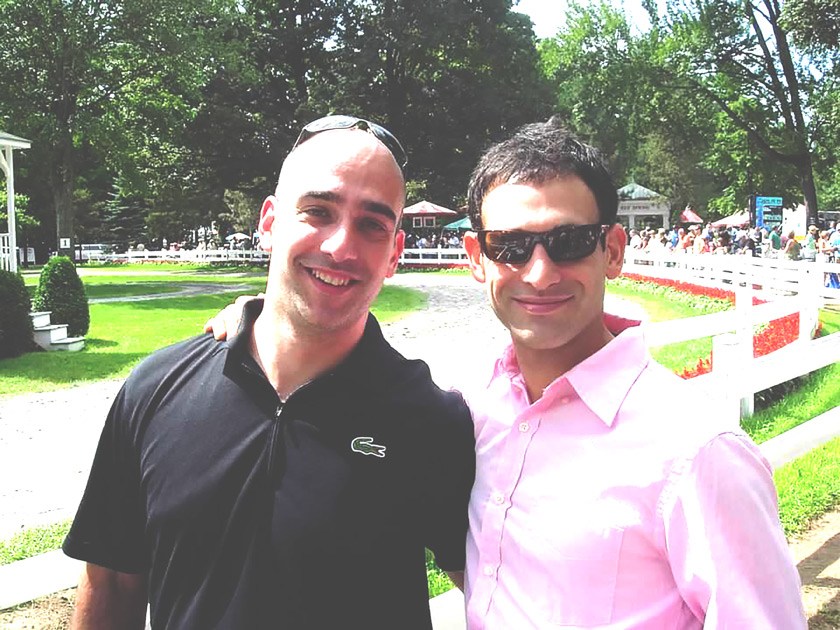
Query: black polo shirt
{"points": [[251, 513]]}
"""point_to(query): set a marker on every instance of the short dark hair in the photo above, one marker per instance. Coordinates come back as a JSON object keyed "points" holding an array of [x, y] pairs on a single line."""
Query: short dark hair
{"points": [[538, 153]]}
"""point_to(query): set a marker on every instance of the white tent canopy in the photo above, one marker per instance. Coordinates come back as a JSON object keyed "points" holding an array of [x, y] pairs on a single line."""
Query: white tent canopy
{"points": [[8, 242]]}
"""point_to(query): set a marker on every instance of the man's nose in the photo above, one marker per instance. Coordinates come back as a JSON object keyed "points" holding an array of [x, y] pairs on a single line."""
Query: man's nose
{"points": [[339, 244], [540, 271]]}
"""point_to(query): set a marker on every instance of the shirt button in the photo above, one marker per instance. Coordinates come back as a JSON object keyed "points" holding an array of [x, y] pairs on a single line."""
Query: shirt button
{"points": [[565, 400], [498, 498], [524, 427], [488, 570]]}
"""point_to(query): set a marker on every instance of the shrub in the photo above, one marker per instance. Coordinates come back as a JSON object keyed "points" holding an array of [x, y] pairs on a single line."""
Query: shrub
{"points": [[61, 292], [16, 336]]}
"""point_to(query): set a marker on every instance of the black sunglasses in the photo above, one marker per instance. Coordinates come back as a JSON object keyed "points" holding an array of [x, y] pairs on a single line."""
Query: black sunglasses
{"points": [[329, 123], [563, 244]]}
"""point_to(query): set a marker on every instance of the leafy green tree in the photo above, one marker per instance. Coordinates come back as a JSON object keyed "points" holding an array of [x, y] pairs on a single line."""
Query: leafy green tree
{"points": [[447, 76], [813, 23], [119, 77], [726, 51]]}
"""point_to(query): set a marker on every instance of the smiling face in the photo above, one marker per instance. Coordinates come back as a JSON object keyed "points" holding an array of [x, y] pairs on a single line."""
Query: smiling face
{"points": [[332, 230], [547, 306]]}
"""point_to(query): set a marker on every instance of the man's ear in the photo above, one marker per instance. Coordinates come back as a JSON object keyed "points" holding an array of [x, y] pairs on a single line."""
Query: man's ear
{"points": [[616, 242], [399, 244], [267, 221], [474, 256]]}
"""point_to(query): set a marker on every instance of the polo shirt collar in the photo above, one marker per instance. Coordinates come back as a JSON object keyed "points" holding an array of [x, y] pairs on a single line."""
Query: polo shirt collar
{"points": [[602, 380], [365, 367]]}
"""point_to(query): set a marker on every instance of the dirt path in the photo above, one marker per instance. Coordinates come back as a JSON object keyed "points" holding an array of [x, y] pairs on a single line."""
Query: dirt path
{"points": [[817, 554]]}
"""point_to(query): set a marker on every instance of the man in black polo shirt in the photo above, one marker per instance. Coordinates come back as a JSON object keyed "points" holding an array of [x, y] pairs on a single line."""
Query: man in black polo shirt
{"points": [[292, 477]]}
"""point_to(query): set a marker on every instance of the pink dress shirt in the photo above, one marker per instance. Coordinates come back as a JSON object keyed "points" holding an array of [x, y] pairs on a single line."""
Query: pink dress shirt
{"points": [[618, 500]]}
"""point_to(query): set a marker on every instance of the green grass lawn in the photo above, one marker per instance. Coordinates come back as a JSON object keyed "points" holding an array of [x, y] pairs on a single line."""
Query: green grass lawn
{"points": [[123, 333]]}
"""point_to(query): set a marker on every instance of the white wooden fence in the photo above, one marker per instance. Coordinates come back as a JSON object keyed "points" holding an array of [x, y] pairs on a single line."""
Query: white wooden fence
{"points": [[436, 257], [185, 255], [5, 252]]}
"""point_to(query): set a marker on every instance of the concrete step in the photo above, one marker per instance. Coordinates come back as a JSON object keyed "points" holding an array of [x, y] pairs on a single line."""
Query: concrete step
{"points": [[40, 318], [46, 335], [68, 344]]}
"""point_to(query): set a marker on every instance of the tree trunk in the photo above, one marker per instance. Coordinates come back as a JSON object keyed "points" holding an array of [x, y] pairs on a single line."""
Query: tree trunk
{"points": [[809, 191], [63, 182]]}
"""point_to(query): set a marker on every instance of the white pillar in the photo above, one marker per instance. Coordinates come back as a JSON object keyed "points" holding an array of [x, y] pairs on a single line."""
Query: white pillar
{"points": [[8, 168]]}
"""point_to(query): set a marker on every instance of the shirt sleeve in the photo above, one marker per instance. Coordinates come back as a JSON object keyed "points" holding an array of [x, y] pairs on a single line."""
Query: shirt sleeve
{"points": [[451, 473], [724, 541], [108, 529]]}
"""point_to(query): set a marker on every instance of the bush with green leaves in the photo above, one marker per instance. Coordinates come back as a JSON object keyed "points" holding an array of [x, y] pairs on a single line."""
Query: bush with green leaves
{"points": [[60, 291], [16, 336]]}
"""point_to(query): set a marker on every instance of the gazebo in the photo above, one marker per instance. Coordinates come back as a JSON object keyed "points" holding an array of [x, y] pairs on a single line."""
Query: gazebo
{"points": [[640, 207], [8, 242]]}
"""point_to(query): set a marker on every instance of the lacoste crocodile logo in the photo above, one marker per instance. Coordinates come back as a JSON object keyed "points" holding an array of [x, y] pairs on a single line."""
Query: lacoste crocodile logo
{"points": [[365, 446]]}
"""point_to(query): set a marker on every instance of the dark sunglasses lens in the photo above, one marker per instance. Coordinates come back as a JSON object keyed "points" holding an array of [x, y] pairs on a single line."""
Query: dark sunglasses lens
{"points": [[390, 141], [571, 242], [507, 247], [331, 122], [328, 123]]}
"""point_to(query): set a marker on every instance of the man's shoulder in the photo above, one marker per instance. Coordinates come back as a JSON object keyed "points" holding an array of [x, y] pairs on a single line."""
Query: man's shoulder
{"points": [[677, 410], [176, 358]]}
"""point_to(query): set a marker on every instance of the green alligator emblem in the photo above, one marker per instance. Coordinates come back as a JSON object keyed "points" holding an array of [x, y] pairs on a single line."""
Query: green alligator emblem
{"points": [[365, 446]]}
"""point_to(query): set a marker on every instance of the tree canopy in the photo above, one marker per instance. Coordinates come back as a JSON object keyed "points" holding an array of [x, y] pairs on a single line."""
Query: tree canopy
{"points": [[151, 119]]}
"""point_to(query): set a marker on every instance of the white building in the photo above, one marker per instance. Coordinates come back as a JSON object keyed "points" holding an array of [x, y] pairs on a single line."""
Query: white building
{"points": [[640, 207]]}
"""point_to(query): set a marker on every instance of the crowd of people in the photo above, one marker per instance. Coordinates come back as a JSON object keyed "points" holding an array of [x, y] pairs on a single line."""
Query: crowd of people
{"points": [[750, 241], [445, 240]]}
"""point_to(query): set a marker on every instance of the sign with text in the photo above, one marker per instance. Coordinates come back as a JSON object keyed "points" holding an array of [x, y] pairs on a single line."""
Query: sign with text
{"points": [[64, 243], [768, 211]]}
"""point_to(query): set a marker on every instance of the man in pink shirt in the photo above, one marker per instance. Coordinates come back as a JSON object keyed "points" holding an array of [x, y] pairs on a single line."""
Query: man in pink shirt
{"points": [[605, 495]]}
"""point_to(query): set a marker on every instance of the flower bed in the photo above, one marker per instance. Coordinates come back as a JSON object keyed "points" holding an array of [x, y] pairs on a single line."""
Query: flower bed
{"points": [[767, 338]]}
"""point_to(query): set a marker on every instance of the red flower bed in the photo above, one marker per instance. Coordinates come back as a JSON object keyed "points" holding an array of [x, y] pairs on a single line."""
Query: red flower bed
{"points": [[775, 335]]}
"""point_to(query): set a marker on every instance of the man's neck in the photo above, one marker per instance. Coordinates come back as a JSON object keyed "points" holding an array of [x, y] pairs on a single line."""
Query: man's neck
{"points": [[291, 358], [540, 368]]}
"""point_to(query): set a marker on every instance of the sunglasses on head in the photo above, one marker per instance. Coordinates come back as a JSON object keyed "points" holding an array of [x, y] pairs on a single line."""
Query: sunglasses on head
{"points": [[329, 123], [563, 244]]}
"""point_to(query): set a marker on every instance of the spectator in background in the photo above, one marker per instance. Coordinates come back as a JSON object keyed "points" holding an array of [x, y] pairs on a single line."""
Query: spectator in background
{"points": [[775, 238], [809, 247], [792, 247]]}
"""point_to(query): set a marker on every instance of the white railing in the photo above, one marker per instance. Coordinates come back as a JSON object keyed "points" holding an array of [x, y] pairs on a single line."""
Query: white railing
{"points": [[434, 257], [185, 255], [776, 275], [5, 252]]}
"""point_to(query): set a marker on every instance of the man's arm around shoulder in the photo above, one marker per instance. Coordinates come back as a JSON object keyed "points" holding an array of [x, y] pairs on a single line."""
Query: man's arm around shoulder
{"points": [[108, 599]]}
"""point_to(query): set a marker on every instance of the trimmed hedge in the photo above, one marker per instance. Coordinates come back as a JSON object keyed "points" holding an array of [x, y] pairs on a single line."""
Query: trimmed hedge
{"points": [[61, 292], [16, 335]]}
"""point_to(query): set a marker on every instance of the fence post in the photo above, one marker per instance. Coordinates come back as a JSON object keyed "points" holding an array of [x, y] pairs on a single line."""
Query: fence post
{"points": [[810, 285], [744, 337], [726, 366]]}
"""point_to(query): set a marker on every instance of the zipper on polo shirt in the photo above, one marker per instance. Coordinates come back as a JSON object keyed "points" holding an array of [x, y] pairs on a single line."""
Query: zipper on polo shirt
{"points": [[274, 450]]}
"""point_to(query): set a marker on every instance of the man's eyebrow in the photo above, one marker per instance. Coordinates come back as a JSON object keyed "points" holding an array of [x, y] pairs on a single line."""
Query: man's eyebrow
{"points": [[370, 206], [380, 208]]}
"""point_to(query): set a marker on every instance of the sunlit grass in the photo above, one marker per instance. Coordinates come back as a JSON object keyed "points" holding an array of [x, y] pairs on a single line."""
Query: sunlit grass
{"points": [[123, 333]]}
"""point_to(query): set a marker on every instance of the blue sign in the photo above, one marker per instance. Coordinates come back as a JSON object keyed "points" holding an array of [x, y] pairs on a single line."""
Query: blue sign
{"points": [[768, 211]]}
